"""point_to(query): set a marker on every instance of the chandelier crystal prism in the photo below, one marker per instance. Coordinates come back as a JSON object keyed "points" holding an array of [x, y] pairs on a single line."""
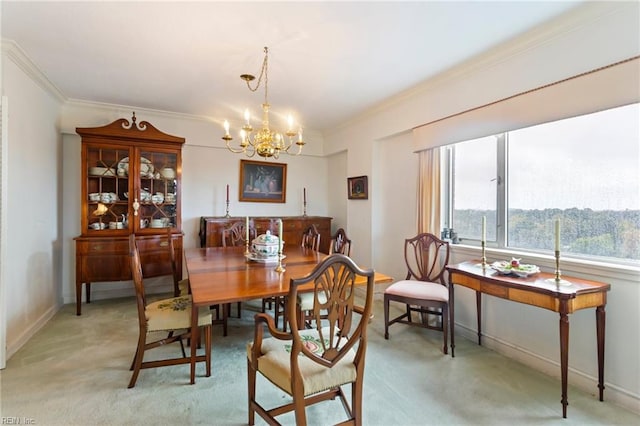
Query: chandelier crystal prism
{"points": [[265, 142]]}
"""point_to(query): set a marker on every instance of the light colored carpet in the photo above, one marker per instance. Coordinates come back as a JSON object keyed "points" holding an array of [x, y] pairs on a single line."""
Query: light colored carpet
{"points": [[75, 371]]}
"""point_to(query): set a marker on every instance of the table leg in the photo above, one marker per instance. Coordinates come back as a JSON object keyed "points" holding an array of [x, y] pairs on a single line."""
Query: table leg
{"points": [[194, 340], [564, 359], [600, 322], [479, 315], [451, 315]]}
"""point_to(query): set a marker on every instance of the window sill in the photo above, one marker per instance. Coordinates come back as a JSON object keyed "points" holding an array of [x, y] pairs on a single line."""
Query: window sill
{"points": [[583, 268]]}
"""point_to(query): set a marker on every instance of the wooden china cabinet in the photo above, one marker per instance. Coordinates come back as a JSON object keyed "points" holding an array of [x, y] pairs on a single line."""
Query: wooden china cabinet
{"points": [[130, 184]]}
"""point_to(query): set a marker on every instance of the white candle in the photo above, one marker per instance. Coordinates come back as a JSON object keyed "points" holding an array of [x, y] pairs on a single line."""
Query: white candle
{"points": [[484, 229], [226, 128], [246, 229], [279, 235], [557, 234]]}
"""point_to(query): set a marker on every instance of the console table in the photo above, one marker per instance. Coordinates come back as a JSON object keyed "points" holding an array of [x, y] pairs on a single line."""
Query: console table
{"points": [[292, 227], [536, 290]]}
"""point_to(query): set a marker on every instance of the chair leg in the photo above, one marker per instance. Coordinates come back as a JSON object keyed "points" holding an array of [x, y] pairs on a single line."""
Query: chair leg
{"points": [[445, 327], [386, 317], [207, 348], [251, 391], [356, 400], [137, 361]]}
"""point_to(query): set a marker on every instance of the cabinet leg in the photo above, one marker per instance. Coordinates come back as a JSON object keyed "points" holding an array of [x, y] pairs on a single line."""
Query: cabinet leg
{"points": [[88, 290], [78, 298]]}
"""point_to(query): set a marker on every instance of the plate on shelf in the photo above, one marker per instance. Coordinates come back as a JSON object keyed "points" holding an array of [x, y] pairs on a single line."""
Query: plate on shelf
{"points": [[260, 259], [523, 270], [146, 167], [101, 171]]}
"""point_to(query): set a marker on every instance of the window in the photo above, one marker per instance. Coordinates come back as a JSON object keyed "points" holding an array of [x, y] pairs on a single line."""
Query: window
{"points": [[584, 171]]}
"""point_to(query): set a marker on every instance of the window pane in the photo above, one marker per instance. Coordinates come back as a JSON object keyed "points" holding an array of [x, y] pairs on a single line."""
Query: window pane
{"points": [[474, 188], [584, 171]]}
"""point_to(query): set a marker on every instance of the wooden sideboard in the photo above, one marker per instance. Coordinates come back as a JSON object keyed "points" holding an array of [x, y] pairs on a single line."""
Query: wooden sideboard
{"points": [[107, 259], [292, 228]]}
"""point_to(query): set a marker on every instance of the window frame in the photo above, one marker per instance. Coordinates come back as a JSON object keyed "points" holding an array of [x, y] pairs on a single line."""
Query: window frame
{"points": [[502, 212]]}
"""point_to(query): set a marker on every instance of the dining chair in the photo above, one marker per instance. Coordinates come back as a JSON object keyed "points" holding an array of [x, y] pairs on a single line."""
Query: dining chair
{"points": [[235, 235], [172, 316], [340, 243], [181, 288], [311, 238], [313, 365], [424, 290]]}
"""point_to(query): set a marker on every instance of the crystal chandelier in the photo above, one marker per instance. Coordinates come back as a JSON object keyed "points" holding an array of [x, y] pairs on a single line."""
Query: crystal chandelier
{"points": [[265, 142]]}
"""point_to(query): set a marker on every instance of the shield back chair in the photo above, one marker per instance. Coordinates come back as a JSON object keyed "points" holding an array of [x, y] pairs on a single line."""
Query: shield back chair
{"points": [[340, 243], [169, 315], [312, 365], [235, 235], [424, 291], [311, 238]]}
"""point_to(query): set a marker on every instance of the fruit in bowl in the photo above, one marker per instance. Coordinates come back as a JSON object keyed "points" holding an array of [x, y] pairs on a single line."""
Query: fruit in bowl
{"points": [[521, 270], [515, 262]]}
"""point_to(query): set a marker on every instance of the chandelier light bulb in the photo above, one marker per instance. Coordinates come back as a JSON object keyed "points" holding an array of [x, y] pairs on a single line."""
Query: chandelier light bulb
{"points": [[247, 116]]}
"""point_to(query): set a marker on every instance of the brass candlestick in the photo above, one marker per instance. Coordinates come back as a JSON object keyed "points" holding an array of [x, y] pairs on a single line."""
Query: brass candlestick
{"points": [[304, 211], [280, 267], [246, 248], [557, 279]]}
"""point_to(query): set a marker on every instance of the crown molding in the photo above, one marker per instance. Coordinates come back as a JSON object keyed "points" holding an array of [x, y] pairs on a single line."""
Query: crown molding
{"points": [[573, 20], [14, 52]]}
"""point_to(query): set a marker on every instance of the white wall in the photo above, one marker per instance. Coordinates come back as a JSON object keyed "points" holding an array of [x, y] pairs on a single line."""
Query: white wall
{"points": [[597, 34], [32, 280], [207, 167]]}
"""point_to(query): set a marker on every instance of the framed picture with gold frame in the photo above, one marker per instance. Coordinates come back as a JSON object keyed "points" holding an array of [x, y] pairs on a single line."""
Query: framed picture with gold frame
{"points": [[358, 188], [263, 182]]}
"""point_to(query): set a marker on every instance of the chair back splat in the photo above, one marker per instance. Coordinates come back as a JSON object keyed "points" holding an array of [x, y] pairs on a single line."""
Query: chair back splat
{"points": [[235, 234], [312, 365], [311, 238], [426, 257], [340, 243]]}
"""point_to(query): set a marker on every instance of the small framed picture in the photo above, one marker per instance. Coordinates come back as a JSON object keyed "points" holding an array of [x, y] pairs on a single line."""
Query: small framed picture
{"points": [[263, 182], [357, 188]]}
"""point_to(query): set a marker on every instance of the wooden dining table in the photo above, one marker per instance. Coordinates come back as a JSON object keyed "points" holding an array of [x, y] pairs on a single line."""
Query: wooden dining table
{"points": [[219, 275]]}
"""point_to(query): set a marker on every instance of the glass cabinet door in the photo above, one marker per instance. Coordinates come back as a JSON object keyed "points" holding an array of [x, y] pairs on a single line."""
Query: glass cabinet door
{"points": [[158, 190], [108, 187]]}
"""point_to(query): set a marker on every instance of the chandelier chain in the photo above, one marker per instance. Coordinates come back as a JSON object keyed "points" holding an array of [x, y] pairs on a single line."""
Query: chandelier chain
{"points": [[263, 73]]}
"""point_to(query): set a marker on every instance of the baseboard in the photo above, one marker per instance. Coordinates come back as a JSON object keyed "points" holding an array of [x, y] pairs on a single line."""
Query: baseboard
{"points": [[34, 327], [550, 367]]}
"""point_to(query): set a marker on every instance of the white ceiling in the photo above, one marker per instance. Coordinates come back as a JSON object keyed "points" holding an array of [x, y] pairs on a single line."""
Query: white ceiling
{"points": [[328, 62]]}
